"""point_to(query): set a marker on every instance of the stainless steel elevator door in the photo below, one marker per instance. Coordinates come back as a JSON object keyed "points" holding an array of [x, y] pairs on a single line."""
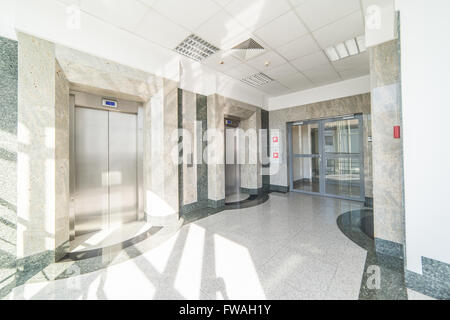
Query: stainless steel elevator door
{"points": [[122, 168], [232, 166], [105, 169], [91, 167]]}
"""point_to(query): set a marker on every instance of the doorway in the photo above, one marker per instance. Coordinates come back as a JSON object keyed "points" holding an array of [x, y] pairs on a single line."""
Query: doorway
{"points": [[104, 166], [326, 157]]}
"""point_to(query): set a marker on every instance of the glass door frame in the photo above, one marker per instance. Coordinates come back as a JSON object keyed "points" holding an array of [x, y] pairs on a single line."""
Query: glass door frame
{"points": [[323, 156]]}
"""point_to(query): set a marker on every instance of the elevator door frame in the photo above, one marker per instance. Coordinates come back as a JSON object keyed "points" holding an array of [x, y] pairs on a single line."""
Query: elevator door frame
{"points": [[72, 163], [322, 156]]}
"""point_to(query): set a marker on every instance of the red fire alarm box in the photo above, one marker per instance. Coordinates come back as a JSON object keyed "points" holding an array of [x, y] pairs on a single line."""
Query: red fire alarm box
{"points": [[276, 155], [397, 132], [275, 139]]}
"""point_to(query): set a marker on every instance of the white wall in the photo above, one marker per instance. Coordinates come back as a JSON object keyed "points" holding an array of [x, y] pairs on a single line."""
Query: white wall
{"points": [[336, 90], [426, 134]]}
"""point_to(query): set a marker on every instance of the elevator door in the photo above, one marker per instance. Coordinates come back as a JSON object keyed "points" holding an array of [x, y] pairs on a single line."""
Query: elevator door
{"points": [[105, 169], [232, 168]]}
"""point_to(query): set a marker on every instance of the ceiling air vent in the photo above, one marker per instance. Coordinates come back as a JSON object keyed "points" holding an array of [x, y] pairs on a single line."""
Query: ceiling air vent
{"points": [[196, 48], [248, 49], [257, 80]]}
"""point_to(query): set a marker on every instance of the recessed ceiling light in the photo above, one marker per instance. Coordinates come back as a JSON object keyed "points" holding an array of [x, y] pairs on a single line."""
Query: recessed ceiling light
{"points": [[345, 49], [257, 80], [196, 48]]}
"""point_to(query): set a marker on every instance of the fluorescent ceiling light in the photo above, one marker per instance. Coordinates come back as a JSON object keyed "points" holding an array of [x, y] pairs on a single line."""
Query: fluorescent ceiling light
{"points": [[361, 40], [352, 47], [332, 53], [257, 80], [196, 48], [342, 50], [345, 49]]}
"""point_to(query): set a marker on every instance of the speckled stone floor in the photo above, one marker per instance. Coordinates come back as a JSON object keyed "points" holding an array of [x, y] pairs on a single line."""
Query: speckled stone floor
{"points": [[289, 247]]}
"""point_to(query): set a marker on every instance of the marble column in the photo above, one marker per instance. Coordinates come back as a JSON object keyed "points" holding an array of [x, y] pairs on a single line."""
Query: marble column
{"points": [[251, 176], [387, 151], [215, 152], [161, 155], [43, 155], [8, 163]]}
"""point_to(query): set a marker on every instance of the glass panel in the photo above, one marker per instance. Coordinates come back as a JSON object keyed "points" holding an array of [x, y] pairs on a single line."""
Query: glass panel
{"points": [[305, 139], [343, 177], [306, 174], [342, 137]]}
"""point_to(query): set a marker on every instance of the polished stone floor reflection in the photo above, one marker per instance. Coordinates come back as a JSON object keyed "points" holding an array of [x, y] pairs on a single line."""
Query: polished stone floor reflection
{"points": [[289, 247]]}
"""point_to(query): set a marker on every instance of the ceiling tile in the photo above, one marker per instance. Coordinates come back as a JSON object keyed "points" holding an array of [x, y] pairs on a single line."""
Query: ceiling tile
{"points": [[271, 57], [229, 61], [121, 13], [319, 13], [253, 14], [284, 70], [241, 71], [282, 30], [151, 26], [299, 48], [296, 3], [189, 14], [310, 61], [356, 61], [354, 66], [342, 30], [275, 89], [222, 3], [322, 75], [220, 29], [146, 2], [297, 82]]}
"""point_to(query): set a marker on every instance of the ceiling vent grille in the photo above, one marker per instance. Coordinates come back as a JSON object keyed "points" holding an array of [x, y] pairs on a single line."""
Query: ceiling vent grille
{"points": [[196, 48], [257, 80], [248, 49]]}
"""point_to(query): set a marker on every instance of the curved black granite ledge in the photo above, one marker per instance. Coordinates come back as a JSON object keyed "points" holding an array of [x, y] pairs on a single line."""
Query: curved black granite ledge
{"points": [[357, 225], [252, 201]]}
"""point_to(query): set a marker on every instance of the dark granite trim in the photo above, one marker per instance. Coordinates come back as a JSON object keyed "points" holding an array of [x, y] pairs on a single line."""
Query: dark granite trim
{"points": [[282, 189], [202, 167], [436, 269], [368, 202], [252, 192], [427, 285], [216, 204], [390, 248], [392, 285], [188, 208], [180, 154], [88, 254]]}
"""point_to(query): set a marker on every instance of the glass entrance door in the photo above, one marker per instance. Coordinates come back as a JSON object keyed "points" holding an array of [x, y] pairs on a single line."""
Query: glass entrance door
{"points": [[326, 157], [305, 157]]}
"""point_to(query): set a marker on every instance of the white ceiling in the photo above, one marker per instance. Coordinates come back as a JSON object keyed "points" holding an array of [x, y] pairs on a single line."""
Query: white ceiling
{"points": [[294, 33]]}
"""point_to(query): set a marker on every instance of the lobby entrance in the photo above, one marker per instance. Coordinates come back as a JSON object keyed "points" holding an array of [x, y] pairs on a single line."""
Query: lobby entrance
{"points": [[326, 157]]}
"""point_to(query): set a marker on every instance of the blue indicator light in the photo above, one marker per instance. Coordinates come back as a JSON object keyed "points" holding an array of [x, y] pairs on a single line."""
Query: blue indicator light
{"points": [[110, 103]]}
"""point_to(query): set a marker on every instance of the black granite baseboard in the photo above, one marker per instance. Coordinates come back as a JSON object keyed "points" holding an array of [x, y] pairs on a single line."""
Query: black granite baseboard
{"points": [[389, 248], [427, 285], [282, 189], [252, 192], [434, 280], [215, 204]]}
